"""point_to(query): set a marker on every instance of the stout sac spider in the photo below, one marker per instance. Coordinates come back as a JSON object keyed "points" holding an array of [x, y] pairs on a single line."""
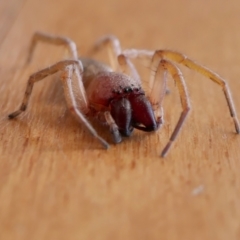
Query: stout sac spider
{"points": [[114, 94]]}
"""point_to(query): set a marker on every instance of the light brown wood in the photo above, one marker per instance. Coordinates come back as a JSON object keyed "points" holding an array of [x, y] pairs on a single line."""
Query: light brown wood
{"points": [[56, 181]]}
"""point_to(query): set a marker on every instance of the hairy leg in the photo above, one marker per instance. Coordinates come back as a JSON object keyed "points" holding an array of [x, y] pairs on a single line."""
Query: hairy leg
{"points": [[52, 39], [177, 57]]}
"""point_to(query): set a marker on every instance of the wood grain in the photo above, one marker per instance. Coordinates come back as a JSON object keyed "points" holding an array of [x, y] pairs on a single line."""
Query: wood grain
{"points": [[8, 14], [56, 182]]}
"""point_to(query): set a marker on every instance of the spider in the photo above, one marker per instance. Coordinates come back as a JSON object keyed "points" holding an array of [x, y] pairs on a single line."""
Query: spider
{"points": [[114, 95]]}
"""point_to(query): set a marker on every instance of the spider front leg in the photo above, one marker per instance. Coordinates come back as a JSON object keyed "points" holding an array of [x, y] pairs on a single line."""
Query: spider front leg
{"points": [[72, 104], [67, 66], [180, 82], [184, 60], [159, 78]]}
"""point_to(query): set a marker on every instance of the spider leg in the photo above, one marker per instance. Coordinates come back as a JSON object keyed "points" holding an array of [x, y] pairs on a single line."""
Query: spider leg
{"points": [[128, 68], [158, 89], [64, 41], [113, 127], [55, 40], [180, 82], [37, 77], [73, 106], [117, 59], [184, 60], [112, 44], [67, 67]]}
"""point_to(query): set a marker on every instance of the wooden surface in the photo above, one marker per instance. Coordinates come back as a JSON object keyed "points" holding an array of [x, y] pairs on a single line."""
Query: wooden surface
{"points": [[56, 182]]}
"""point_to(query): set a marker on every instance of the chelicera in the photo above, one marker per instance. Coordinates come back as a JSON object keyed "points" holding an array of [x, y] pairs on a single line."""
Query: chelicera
{"points": [[114, 94]]}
